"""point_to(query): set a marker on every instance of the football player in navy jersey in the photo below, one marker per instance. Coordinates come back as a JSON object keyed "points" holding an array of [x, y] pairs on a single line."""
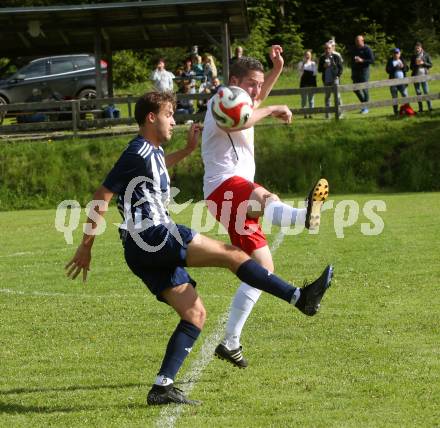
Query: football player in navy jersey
{"points": [[157, 250]]}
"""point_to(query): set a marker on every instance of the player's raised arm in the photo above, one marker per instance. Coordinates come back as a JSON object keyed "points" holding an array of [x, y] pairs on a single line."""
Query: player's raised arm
{"points": [[81, 259], [272, 77], [233, 109]]}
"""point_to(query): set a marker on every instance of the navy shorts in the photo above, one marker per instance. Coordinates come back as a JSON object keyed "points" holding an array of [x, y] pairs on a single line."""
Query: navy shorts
{"points": [[161, 265]]}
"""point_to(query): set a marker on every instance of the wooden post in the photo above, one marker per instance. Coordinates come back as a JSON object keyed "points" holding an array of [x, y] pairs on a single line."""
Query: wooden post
{"points": [[109, 57], [226, 48], [336, 98], [129, 109], [98, 57], [75, 116]]}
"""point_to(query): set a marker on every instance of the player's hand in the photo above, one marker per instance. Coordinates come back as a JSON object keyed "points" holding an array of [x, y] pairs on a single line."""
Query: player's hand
{"points": [[80, 262], [193, 137], [275, 56], [282, 113]]}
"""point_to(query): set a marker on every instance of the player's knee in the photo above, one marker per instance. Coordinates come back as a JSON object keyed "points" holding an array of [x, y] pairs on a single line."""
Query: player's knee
{"points": [[272, 197], [234, 257], [196, 315], [269, 198]]}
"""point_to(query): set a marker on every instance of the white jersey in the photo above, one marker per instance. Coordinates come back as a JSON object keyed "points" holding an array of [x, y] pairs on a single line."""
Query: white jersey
{"points": [[220, 159]]}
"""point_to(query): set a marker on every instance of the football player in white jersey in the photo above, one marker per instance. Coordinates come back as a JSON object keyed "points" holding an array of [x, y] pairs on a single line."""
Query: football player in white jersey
{"points": [[229, 163]]}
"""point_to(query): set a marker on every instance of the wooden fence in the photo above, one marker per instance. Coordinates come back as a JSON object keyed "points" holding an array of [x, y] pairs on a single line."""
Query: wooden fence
{"points": [[84, 114], [336, 90]]}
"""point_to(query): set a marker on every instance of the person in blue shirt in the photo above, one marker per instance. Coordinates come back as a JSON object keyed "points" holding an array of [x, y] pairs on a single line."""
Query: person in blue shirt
{"points": [[157, 250]]}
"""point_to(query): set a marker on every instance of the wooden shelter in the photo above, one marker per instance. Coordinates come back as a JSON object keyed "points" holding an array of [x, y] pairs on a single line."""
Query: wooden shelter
{"points": [[106, 27]]}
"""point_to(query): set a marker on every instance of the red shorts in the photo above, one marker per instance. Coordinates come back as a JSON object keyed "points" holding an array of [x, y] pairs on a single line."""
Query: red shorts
{"points": [[231, 200]]}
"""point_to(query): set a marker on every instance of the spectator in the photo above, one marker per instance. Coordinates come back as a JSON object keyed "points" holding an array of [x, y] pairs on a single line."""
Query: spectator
{"points": [[215, 85], [361, 59], [396, 69], [206, 88], [330, 66], [420, 64], [238, 54], [307, 69], [333, 45], [209, 68], [185, 105], [187, 76], [203, 103], [163, 79], [197, 66]]}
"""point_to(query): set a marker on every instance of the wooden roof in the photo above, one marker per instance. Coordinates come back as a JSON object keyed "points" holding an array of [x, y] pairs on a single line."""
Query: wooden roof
{"points": [[128, 25]]}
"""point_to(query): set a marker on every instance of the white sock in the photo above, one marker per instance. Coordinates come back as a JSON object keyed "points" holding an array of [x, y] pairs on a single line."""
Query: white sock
{"points": [[241, 307], [281, 214], [163, 380], [295, 296]]}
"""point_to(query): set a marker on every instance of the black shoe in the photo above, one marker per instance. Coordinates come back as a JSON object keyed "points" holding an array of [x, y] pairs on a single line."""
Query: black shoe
{"points": [[159, 395], [234, 356], [311, 294], [314, 200]]}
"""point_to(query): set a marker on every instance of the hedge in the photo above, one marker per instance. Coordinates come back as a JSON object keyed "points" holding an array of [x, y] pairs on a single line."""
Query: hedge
{"points": [[356, 155]]}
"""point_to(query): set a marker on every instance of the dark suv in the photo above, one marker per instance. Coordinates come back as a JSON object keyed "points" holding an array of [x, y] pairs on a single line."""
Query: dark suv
{"points": [[56, 77]]}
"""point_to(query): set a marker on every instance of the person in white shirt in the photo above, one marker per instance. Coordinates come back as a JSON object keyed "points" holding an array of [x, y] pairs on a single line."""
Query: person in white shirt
{"points": [[236, 201], [162, 79], [308, 70]]}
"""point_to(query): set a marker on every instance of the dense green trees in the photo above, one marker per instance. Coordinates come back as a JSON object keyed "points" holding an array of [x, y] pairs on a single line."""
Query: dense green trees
{"points": [[301, 24]]}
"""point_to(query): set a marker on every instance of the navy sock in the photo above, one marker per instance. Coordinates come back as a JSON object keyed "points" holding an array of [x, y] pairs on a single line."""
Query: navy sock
{"points": [[257, 276], [179, 346]]}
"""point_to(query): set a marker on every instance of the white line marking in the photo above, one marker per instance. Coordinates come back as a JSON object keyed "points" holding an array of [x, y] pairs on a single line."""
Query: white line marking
{"points": [[87, 296], [169, 414], [23, 253], [46, 294]]}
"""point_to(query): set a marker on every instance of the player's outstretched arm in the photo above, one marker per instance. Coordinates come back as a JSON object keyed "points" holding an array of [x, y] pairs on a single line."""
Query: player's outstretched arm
{"points": [[83, 255], [191, 144], [281, 112]]}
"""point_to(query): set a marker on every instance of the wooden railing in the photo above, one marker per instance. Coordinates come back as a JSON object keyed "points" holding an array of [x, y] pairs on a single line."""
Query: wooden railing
{"points": [[336, 90], [83, 114]]}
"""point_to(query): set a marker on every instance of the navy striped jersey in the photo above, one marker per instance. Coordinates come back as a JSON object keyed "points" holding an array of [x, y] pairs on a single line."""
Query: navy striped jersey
{"points": [[140, 178]]}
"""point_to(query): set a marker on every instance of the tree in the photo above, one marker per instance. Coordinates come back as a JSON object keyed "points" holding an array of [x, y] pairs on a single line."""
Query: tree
{"points": [[379, 42], [261, 26]]}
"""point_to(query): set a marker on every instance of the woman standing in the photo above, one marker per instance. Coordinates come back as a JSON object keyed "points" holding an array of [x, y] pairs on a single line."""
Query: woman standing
{"points": [[307, 69]]}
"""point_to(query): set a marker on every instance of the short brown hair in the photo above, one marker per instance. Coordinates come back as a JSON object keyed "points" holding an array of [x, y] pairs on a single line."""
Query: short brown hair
{"points": [[242, 66], [151, 102]]}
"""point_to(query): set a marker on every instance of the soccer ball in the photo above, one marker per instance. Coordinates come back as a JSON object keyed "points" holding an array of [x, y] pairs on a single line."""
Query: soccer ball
{"points": [[231, 107]]}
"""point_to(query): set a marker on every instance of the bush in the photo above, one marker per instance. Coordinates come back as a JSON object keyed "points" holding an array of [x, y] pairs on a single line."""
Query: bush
{"points": [[130, 67]]}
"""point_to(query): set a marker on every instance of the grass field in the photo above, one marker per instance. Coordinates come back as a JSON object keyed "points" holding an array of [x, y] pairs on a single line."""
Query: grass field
{"points": [[85, 355]]}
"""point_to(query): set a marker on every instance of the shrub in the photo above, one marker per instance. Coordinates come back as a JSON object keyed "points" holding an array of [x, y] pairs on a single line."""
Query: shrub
{"points": [[367, 155]]}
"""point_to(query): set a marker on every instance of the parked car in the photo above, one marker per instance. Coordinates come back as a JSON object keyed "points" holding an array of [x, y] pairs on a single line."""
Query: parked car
{"points": [[56, 77]]}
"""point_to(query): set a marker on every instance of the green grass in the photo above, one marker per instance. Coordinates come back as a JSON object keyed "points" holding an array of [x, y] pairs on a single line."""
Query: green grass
{"points": [[85, 355], [364, 154]]}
